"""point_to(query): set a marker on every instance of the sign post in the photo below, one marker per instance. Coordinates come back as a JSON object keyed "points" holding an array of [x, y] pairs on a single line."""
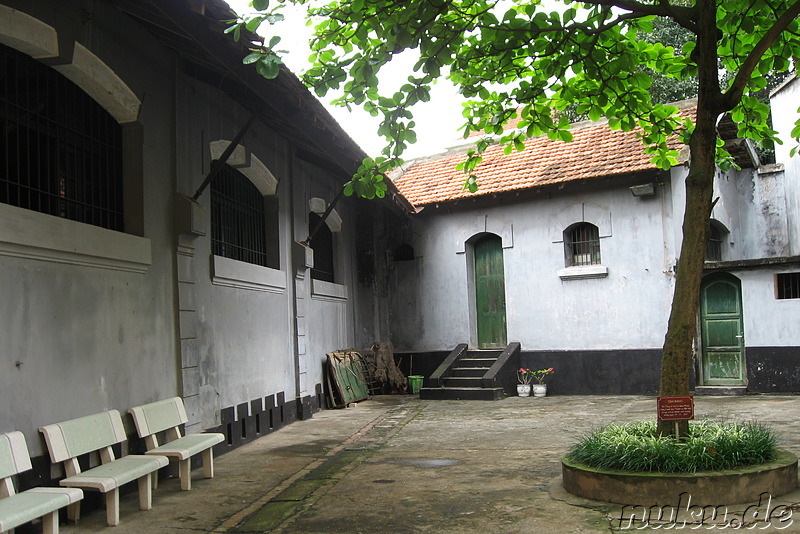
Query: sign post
{"points": [[675, 408]]}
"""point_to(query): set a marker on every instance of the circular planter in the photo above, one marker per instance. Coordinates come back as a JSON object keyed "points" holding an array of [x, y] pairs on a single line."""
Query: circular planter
{"points": [[710, 488], [539, 390], [524, 390]]}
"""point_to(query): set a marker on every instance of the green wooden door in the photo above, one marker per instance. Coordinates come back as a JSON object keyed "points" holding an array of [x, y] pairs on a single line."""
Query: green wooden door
{"points": [[490, 293], [722, 332]]}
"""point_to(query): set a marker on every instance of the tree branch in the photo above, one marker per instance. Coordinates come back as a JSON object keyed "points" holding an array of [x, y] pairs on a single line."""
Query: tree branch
{"points": [[734, 94], [663, 9]]}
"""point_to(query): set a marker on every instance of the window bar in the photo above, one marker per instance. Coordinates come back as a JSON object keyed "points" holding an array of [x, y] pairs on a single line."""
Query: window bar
{"points": [[27, 147]]}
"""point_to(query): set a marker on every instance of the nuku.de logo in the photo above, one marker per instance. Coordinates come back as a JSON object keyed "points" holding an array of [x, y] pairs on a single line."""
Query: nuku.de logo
{"points": [[685, 515]]}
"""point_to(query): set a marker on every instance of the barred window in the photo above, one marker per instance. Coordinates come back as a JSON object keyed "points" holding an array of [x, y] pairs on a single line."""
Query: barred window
{"points": [[61, 151], [716, 236], [582, 245], [787, 286], [322, 245], [238, 218]]}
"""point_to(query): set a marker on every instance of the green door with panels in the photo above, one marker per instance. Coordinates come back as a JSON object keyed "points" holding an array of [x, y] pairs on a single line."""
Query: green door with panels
{"points": [[490, 293], [722, 333]]}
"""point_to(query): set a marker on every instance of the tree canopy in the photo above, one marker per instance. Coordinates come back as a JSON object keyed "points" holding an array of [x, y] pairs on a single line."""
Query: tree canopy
{"points": [[521, 58], [518, 56]]}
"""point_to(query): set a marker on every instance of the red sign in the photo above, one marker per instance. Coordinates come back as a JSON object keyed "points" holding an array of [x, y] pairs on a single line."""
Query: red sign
{"points": [[676, 408]]}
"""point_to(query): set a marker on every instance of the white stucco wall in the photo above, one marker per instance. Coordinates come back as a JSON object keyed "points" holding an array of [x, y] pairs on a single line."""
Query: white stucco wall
{"points": [[110, 320], [626, 309], [785, 112], [90, 312], [768, 321]]}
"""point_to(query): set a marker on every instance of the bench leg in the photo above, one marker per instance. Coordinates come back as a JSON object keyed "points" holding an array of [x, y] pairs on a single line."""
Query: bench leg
{"points": [[74, 512], [50, 523], [208, 463], [145, 492], [154, 478], [186, 474], [112, 507]]}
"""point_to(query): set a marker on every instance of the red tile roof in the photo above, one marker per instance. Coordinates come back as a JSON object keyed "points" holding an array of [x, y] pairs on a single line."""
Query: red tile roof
{"points": [[595, 151]]}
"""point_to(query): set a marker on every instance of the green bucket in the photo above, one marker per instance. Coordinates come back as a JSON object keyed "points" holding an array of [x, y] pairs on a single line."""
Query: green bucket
{"points": [[415, 383]]}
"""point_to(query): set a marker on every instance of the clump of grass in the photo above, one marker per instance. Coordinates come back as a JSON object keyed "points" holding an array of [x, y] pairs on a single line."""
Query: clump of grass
{"points": [[710, 446]]}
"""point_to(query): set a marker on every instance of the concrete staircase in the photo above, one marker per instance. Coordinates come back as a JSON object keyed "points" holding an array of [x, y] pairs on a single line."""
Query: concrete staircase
{"points": [[474, 375]]}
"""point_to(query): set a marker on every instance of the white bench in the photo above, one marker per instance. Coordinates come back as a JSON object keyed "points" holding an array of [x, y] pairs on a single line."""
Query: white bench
{"points": [[167, 415], [99, 432], [19, 508]]}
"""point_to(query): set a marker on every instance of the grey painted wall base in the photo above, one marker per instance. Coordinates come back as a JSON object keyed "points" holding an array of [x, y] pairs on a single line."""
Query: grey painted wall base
{"points": [[716, 488]]}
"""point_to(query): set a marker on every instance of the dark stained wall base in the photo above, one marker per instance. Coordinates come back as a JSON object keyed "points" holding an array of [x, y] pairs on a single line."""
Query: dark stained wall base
{"points": [[773, 369], [590, 372], [626, 372], [598, 372]]}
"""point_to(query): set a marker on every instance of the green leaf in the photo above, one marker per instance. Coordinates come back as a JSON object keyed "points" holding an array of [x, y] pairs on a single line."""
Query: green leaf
{"points": [[260, 5], [252, 57], [269, 67], [253, 23]]}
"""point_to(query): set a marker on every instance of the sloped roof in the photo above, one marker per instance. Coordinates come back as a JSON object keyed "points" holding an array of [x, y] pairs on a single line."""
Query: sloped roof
{"points": [[194, 29], [595, 151]]}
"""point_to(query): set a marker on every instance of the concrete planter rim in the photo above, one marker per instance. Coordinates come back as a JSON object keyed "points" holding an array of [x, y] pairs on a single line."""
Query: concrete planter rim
{"points": [[609, 485]]}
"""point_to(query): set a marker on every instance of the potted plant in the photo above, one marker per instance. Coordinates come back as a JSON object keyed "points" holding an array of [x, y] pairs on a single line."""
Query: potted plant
{"points": [[540, 388], [524, 387]]}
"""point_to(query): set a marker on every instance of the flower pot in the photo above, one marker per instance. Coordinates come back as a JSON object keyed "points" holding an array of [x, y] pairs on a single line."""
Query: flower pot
{"points": [[539, 390], [524, 390]]}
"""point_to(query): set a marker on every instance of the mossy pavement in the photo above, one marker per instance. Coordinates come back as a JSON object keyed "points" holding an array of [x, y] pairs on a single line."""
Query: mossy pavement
{"points": [[396, 464]]}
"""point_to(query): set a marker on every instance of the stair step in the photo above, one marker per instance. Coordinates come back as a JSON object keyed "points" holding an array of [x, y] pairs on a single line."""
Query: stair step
{"points": [[483, 353], [463, 381], [468, 371], [466, 393], [720, 390], [475, 362]]}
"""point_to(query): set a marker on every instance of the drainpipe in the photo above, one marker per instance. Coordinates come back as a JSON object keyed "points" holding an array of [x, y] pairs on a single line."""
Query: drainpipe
{"points": [[293, 272]]}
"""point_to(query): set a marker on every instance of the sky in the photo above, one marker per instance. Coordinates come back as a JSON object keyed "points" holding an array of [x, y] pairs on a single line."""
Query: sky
{"points": [[437, 120]]}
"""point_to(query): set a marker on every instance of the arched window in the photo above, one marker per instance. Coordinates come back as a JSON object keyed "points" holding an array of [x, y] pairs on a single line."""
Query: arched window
{"points": [[582, 245], [237, 218], [322, 245], [716, 236], [60, 151]]}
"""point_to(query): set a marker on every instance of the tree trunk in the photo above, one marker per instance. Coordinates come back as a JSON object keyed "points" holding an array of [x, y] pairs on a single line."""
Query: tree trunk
{"points": [[676, 360]]}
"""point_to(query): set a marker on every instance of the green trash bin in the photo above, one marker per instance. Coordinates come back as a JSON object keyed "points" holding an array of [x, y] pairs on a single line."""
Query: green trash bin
{"points": [[415, 383]]}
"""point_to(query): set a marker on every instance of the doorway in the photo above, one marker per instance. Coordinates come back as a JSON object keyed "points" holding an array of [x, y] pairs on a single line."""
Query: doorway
{"points": [[722, 333], [490, 292]]}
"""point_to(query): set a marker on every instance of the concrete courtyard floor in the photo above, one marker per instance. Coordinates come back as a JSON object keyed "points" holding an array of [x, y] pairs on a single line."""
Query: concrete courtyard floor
{"points": [[396, 464]]}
